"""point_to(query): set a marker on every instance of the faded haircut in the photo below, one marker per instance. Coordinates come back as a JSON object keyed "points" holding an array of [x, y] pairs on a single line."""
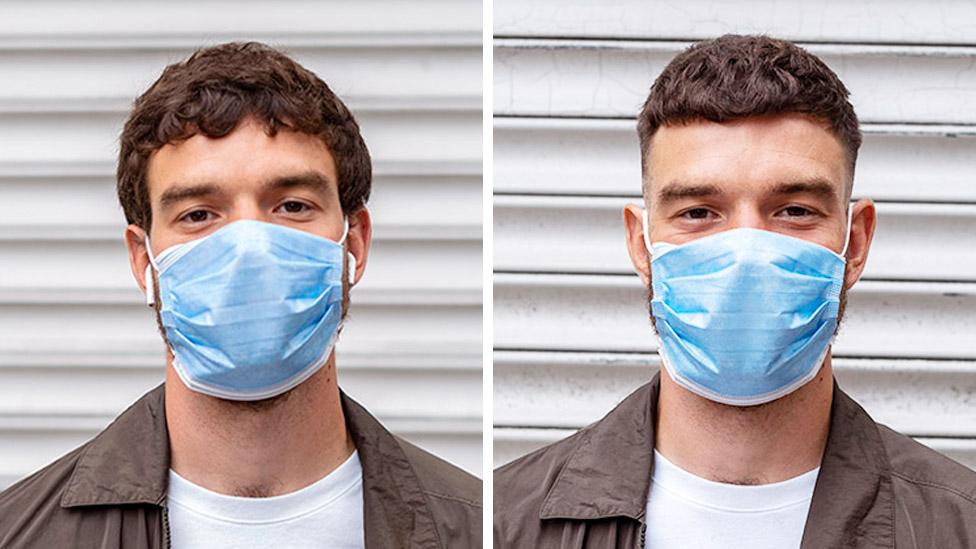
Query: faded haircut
{"points": [[739, 76]]}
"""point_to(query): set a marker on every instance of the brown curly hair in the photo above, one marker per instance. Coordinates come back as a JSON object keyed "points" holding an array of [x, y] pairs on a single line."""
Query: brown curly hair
{"points": [[217, 87]]}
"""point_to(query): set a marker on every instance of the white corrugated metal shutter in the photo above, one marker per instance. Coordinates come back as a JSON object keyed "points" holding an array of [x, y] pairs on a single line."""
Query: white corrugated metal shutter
{"points": [[571, 335], [76, 344]]}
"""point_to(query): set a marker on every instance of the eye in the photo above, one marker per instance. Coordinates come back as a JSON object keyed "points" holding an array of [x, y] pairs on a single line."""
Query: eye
{"points": [[196, 216], [695, 213], [797, 211], [294, 207]]}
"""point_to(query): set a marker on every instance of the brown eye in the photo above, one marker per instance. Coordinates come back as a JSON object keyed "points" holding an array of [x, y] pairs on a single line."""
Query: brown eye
{"points": [[197, 216], [294, 207], [696, 213], [796, 211]]}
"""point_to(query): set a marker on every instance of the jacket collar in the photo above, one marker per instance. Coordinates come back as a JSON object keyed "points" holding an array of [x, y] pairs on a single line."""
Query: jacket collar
{"points": [[609, 473], [853, 501], [395, 510], [128, 463]]}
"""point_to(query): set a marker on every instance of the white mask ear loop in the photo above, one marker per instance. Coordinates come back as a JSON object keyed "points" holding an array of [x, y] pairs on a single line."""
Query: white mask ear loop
{"points": [[350, 259], [847, 237], [647, 234], [150, 286]]}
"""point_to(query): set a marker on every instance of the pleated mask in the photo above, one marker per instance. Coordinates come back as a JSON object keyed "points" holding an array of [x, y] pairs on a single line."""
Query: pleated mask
{"points": [[745, 316], [251, 310]]}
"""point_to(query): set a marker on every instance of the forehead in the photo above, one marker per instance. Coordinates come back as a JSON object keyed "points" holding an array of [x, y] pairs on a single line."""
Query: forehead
{"points": [[246, 156], [746, 155]]}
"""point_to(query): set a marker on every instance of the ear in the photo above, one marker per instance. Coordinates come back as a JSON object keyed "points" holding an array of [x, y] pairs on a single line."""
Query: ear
{"points": [[358, 241], [135, 243], [863, 221], [634, 227]]}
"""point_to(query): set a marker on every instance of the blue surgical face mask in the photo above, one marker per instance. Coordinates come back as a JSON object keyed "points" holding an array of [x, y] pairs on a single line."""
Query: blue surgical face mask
{"points": [[745, 316], [252, 309]]}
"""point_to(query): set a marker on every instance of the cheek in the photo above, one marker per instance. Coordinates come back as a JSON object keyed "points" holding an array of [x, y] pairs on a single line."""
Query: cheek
{"points": [[827, 237]]}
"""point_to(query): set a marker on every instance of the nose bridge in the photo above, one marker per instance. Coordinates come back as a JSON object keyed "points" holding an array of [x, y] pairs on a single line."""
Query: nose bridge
{"points": [[747, 213], [247, 206]]}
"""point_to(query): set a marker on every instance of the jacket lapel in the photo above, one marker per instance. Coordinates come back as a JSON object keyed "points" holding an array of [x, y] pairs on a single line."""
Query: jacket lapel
{"points": [[853, 501], [396, 514], [609, 473], [128, 462]]}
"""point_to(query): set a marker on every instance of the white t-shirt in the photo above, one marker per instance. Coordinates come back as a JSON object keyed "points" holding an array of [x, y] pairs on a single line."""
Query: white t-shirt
{"points": [[687, 511], [327, 513]]}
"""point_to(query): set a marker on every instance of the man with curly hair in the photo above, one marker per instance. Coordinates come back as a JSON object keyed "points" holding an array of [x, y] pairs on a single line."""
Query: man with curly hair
{"points": [[244, 180]]}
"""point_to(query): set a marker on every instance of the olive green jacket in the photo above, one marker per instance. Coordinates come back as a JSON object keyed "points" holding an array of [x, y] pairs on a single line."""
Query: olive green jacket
{"points": [[876, 488], [111, 492]]}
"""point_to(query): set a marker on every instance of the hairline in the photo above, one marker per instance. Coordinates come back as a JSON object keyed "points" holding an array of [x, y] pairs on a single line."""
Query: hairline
{"points": [[645, 153]]}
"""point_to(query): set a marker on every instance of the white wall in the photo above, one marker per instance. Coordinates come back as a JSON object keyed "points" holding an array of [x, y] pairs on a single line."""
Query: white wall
{"points": [[76, 343], [571, 331]]}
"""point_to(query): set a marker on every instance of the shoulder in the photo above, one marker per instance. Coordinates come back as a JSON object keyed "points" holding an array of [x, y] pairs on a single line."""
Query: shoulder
{"points": [[918, 472], [83, 494], [521, 486], [441, 479], [438, 478], [31, 506], [453, 495]]}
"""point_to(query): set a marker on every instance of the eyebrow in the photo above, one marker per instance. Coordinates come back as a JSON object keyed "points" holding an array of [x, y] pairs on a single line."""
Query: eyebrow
{"points": [[312, 180], [179, 193], [677, 191], [816, 186]]}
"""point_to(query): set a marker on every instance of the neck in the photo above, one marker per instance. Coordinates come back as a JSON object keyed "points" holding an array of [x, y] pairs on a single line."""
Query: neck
{"points": [[257, 449], [761, 444]]}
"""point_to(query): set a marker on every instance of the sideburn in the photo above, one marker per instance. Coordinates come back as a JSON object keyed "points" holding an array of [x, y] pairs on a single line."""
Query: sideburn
{"points": [[650, 297], [156, 306], [345, 284]]}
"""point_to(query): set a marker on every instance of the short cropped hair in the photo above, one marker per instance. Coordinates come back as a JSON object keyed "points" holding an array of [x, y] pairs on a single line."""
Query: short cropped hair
{"points": [[739, 76]]}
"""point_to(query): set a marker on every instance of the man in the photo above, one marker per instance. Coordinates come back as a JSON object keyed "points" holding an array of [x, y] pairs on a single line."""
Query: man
{"points": [[747, 246], [244, 181]]}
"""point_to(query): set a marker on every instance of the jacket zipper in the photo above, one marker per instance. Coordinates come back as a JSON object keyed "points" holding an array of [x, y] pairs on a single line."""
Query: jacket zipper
{"points": [[643, 532], [166, 535]]}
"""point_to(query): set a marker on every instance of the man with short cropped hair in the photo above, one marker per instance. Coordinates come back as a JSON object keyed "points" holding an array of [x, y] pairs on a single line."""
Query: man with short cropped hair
{"points": [[244, 180], [747, 245]]}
